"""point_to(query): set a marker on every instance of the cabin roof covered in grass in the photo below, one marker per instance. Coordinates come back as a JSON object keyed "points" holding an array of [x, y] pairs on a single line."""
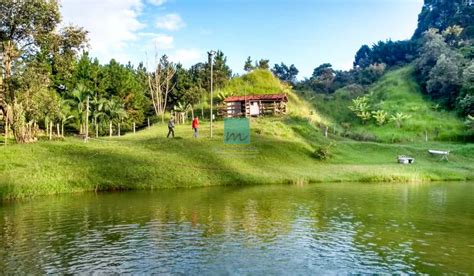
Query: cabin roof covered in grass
{"points": [[264, 97]]}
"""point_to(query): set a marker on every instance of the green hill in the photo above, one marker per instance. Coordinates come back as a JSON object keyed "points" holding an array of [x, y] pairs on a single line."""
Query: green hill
{"points": [[395, 92]]}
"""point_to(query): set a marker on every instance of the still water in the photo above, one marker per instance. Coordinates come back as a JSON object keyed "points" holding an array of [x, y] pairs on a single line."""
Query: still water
{"points": [[320, 228]]}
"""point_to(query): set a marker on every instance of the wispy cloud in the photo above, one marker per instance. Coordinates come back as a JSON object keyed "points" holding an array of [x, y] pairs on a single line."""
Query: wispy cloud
{"points": [[170, 22], [163, 42], [187, 57]]}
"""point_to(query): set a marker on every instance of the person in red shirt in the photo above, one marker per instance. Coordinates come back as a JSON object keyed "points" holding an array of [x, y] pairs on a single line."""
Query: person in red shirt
{"points": [[195, 126]]}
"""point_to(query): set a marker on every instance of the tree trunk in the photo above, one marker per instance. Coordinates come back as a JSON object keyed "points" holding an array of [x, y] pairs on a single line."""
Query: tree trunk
{"points": [[87, 120], [134, 127], [6, 131], [119, 129], [50, 130], [57, 130], [148, 122], [96, 128], [110, 128], [62, 129]]}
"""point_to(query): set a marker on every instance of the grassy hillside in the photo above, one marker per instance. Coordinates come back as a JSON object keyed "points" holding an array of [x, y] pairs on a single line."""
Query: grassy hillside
{"points": [[281, 151], [256, 82], [396, 92]]}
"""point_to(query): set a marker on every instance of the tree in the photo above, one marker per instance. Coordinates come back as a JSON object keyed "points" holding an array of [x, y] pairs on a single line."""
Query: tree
{"points": [[323, 77], [285, 73], [263, 64], [445, 79], [115, 113], [22, 26], [452, 34], [465, 104], [65, 114], [362, 57], [80, 95], [98, 106], [221, 71], [160, 85], [248, 65], [444, 13]]}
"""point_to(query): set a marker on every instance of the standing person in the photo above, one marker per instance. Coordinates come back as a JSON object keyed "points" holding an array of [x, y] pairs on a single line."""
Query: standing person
{"points": [[195, 126], [170, 127]]}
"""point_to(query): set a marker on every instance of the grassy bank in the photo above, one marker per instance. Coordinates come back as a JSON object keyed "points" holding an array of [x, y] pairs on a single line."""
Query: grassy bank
{"points": [[280, 152]]}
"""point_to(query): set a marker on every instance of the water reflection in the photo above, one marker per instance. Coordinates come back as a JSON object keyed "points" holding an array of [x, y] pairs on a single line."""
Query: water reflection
{"points": [[335, 228]]}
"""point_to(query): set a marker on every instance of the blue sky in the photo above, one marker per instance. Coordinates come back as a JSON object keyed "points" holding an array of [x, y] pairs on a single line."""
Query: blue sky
{"points": [[301, 32]]}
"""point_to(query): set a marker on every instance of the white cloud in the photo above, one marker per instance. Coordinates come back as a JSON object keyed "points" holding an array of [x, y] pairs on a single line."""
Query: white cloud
{"points": [[187, 57], [157, 2], [170, 22], [163, 42], [112, 24]]}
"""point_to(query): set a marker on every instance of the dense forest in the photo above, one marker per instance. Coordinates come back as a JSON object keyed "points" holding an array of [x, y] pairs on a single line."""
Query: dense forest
{"points": [[49, 83]]}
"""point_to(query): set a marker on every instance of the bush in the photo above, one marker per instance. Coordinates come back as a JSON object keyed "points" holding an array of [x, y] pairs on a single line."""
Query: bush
{"points": [[323, 152]]}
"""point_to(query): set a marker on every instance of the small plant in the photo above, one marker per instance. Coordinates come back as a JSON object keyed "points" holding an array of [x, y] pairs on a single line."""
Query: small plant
{"points": [[399, 118], [380, 117], [360, 106], [323, 152], [470, 122]]}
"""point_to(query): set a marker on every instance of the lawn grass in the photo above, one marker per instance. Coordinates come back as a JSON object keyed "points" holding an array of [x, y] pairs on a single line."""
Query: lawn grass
{"points": [[281, 151]]}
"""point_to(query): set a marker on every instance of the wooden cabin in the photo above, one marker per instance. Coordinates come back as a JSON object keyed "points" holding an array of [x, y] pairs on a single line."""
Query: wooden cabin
{"points": [[254, 105]]}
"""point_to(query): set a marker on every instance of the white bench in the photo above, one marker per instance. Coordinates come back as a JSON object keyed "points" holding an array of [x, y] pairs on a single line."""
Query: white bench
{"points": [[402, 159], [444, 154]]}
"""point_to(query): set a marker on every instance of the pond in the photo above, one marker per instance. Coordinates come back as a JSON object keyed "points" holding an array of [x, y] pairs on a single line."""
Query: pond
{"points": [[283, 229]]}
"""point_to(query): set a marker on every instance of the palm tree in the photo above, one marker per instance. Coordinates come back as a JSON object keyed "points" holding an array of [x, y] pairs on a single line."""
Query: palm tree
{"points": [[80, 94], [180, 109], [98, 106], [65, 114], [115, 113]]}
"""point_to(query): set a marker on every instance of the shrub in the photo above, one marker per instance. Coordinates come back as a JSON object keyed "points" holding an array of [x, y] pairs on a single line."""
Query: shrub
{"points": [[360, 106], [380, 117], [323, 152], [399, 118]]}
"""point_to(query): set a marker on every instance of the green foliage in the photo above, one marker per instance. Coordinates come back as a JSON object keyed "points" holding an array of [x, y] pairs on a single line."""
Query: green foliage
{"points": [[360, 106], [445, 13], [470, 122], [391, 53], [285, 73], [439, 68], [323, 152], [263, 64], [248, 65], [399, 118], [380, 117]]}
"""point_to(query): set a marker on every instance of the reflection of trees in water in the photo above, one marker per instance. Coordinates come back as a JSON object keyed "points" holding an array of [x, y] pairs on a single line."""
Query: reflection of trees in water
{"points": [[386, 223]]}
